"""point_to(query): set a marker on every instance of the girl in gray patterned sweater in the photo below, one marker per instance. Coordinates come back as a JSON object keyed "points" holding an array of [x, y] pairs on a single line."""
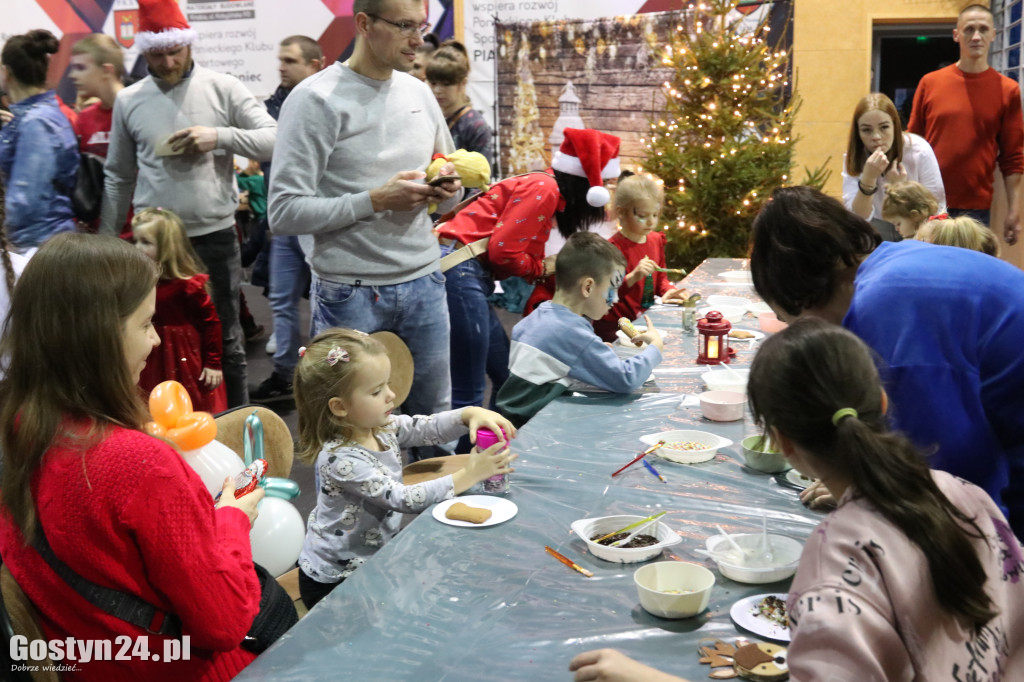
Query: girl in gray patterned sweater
{"points": [[347, 430]]}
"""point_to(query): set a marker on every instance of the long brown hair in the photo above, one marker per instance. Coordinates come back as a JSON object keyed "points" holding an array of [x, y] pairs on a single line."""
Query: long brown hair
{"points": [[64, 349], [837, 370], [317, 381], [856, 152]]}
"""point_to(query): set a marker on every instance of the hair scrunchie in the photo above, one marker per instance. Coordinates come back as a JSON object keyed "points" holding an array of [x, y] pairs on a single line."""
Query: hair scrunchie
{"points": [[843, 412]]}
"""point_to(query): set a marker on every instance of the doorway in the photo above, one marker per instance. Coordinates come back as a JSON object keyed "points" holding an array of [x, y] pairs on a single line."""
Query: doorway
{"points": [[902, 53]]}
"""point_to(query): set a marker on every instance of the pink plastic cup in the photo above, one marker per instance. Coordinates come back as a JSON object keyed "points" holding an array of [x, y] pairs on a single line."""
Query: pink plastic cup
{"points": [[485, 438]]}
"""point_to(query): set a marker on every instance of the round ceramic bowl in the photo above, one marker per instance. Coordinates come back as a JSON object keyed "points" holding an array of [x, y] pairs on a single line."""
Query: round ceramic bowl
{"points": [[786, 553], [726, 380], [770, 323], [588, 528], [674, 589], [710, 441], [733, 313], [722, 406], [756, 458], [732, 301]]}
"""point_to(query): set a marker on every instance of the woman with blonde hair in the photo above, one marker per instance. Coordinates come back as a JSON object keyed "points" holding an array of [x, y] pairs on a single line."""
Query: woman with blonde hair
{"points": [[878, 153]]}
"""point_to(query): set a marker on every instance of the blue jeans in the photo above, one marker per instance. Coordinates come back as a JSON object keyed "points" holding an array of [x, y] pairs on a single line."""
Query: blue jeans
{"points": [[478, 339], [221, 255], [982, 215], [417, 312], [289, 275]]}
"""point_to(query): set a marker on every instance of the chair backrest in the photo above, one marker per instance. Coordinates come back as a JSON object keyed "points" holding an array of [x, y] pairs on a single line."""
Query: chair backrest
{"points": [[278, 444], [18, 617]]}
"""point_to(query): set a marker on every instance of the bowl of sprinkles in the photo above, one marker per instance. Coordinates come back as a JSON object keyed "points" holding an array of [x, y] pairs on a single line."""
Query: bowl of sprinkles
{"points": [[686, 447]]}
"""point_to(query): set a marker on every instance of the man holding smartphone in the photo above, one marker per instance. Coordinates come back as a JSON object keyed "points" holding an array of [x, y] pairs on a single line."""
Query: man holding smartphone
{"points": [[353, 143]]}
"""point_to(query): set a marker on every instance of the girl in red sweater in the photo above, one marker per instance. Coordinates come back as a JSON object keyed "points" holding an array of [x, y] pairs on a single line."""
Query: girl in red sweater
{"points": [[119, 507], [638, 202], [186, 318]]}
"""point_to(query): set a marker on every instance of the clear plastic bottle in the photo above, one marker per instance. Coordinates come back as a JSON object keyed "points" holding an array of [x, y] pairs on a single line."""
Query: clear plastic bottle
{"points": [[495, 485]]}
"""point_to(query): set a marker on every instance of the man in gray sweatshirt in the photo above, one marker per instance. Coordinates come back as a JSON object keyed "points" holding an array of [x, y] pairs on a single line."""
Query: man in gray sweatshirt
{"points": [[173, 138], [354, 141]]}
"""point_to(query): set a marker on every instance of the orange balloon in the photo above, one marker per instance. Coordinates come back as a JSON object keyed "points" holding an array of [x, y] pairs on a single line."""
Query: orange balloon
{"points": [[193, 430], [154, 429], [168, 403]]}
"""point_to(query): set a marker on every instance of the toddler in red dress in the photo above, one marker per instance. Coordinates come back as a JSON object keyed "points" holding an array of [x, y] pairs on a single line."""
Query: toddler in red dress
{"points": [[186, 320]]}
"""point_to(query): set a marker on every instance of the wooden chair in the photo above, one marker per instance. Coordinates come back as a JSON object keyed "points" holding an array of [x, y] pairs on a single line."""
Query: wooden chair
{"points": [[18, 617], [278, 445]]}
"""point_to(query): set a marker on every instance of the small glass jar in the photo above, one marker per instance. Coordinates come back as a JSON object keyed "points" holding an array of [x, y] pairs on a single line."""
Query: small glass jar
{"points": [[689, 319]]}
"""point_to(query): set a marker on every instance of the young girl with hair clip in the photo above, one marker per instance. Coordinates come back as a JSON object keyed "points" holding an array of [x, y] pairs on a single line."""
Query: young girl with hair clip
{"points": [[186, 319], [908, 206], [638, 203], [348, 432], [116, 505], [879, 152], [916, 575]]}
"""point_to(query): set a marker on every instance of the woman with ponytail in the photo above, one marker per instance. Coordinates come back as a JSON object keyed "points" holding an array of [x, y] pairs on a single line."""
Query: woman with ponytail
{"points": [[915, 576]]}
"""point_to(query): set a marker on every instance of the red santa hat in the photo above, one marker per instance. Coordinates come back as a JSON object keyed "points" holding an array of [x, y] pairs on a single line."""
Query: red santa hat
{"points": [[162, 26], [589, 154]]}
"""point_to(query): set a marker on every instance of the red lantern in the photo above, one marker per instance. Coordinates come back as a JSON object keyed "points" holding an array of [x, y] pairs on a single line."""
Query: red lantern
{"points": [[713, 344]]}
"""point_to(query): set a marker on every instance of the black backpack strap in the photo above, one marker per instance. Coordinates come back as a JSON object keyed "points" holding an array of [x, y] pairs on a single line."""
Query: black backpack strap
{"points": [[127, 607]]}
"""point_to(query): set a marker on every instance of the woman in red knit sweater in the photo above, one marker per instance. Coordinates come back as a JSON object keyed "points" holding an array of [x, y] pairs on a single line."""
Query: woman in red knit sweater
{"points": [[119, 507]]}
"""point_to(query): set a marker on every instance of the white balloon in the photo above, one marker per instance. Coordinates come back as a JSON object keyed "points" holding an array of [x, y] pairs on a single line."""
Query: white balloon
{"points": [[214, 462], [277, 535]]}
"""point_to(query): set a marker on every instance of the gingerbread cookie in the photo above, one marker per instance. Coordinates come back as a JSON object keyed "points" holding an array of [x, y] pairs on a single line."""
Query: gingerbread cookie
{"points": [[461, 511], [757, 661]]}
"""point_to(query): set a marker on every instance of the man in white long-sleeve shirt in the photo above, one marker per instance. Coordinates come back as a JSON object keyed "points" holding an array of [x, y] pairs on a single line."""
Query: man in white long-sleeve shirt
{"points": [[354, 141], [174, 137]]}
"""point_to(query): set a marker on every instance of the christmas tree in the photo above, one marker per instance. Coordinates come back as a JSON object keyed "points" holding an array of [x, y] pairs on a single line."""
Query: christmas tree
{"points": [[723, 142]]}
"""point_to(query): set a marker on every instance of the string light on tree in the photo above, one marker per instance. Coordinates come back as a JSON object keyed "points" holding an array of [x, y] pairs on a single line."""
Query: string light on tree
{"points": [[728, 137]]}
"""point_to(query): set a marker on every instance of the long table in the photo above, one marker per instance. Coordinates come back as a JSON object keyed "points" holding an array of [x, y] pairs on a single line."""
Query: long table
{"points": [[447, 603]]}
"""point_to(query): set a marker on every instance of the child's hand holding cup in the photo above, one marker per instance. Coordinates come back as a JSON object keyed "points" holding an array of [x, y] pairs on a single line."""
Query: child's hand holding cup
{"points": [[492, 455]]}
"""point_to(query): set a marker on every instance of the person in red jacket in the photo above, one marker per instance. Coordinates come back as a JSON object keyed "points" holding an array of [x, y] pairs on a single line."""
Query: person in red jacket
{"points": [[121, 508], [971, 116], [517, 216], [638, 202]]}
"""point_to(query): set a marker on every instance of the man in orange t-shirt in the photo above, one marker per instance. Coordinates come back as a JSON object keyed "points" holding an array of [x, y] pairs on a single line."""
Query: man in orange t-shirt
{"points": [[971, 116]]}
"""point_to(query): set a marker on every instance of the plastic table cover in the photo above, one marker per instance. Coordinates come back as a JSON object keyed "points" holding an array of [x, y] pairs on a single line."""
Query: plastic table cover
{"points": [[447, 603]]}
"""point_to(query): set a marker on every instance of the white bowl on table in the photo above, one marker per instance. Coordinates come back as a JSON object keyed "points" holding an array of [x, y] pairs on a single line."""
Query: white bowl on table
{"points": [[733, 313], [726, 380], [710, 445], [602, 525], [786, 558], [731, 301], [722, 406], [674, 589]]}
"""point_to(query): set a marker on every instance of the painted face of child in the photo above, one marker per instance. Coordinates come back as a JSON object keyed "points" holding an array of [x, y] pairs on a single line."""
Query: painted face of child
{"points": [[371, 400], [604, 294], [640, 219]]}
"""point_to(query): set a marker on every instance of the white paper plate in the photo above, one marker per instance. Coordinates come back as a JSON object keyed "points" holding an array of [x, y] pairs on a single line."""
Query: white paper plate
{"points": [[798, 479], [715, 300], [759, 307], [743, 276], [501, 510], [757, 336], [744, 613]]}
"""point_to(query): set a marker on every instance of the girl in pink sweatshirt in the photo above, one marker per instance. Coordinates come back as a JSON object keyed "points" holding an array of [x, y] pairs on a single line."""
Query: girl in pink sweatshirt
{"points": [[916, 575]]}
